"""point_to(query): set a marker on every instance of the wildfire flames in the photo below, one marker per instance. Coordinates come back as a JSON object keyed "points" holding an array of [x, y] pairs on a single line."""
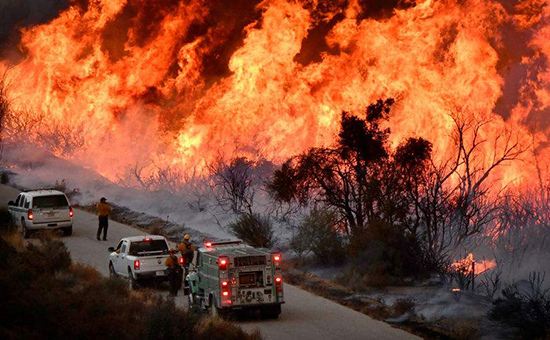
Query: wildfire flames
{"points": [[176, 83], [468, 263]]}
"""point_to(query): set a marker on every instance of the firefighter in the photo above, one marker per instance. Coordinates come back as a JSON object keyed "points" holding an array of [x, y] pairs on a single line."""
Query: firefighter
{"points": [[175, 272], [103, 210], [187, 248]]}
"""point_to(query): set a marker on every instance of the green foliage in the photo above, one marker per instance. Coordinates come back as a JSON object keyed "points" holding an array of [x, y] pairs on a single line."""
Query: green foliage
{"points": [[48, 297], [254, 229], [385, 254], [319, 233]]}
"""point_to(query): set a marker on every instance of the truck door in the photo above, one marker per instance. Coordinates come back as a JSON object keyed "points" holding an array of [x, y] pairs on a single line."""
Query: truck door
{"points": [[14, 209], [116, 258], [122, 264]]}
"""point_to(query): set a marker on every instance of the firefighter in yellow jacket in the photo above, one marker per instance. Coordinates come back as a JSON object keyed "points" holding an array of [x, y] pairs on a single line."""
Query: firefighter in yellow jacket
{"points": [[103, 210], [187, 248], [175, 272]]}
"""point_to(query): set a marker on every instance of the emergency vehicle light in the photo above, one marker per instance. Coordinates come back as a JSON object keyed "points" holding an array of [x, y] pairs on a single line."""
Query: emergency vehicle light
{"points": [[223, 262]]}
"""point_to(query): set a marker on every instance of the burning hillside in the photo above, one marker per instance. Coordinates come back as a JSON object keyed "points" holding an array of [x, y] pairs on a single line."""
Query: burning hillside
{"points": [[176, 83]]}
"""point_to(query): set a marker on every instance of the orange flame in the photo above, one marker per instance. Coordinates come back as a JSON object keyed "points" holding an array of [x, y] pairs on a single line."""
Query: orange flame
{"points": [[136, 94]]}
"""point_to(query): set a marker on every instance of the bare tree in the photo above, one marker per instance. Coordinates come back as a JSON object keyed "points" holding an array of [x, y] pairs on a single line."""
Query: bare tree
{"points": [[233, 184], [455, 199]]}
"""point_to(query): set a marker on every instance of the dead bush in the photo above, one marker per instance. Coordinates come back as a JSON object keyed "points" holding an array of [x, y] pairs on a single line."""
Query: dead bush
{"points": [[49, 298], [525, 306], [254, 229], [402, 306]]}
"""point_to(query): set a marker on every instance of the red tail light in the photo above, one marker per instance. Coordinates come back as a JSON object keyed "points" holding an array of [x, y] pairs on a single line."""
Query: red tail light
{"points": [[136, 264], [277, 258], [71, 212], [208, 244], [225, 284], [225, 293], [223, 262], [148, 239], [181, 261], [279, 283], [30, 215]]}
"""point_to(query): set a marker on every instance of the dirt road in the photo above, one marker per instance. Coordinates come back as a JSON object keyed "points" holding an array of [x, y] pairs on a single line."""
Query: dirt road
{"points": [[305, 316]]}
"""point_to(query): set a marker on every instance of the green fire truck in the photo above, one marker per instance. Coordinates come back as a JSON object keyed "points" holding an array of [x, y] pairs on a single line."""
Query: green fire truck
{"points": [[229, 276]]}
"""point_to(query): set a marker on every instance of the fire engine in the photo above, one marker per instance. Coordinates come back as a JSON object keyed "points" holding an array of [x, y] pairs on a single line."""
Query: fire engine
{"points": [[229, 276]]}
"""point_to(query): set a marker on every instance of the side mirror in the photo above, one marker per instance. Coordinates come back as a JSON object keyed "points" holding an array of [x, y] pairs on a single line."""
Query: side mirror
{"points": [[111, 249], [11, 203]]}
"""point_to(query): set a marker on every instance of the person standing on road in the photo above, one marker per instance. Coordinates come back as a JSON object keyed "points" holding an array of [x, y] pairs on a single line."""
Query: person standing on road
{"points": [[174, 272], [187, 248], [103, 210]]}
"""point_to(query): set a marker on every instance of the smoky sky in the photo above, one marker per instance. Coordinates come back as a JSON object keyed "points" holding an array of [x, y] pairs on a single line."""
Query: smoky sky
{"points": [[15, 14]]}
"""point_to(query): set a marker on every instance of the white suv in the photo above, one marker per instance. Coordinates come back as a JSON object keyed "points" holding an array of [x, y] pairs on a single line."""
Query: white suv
{"points": [[42, 209]]}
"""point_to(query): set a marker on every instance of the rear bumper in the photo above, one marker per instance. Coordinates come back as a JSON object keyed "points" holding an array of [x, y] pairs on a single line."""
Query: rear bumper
{"points": [[252, 306], [151, 276], [49, 225]]}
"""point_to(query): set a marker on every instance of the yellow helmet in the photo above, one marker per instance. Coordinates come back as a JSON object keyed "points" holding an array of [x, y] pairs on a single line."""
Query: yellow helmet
{"points": [[187, 237]]}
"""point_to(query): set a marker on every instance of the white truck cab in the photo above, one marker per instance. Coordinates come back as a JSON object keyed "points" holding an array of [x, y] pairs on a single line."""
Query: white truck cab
{"points": [[42, 209], [139, 258]]}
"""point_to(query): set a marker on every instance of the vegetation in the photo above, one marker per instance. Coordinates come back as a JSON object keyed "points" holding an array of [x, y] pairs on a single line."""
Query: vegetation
{"points": [[50, 297], [398, 209], [254, 229], [525, 306]]}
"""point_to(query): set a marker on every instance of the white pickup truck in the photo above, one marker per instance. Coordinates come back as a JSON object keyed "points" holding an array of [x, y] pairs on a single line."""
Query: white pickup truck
{"points": [[140, 258]]}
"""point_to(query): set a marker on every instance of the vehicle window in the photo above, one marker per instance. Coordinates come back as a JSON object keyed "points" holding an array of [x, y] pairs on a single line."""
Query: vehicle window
{"points": [[119, 245], [27, 203], [148, 246], [22, 201], [123, 250], [52, 201], [18, 200]]}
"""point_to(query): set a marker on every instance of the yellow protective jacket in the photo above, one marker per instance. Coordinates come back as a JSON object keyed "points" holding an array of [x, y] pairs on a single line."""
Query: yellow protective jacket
{"points": [[185, 247], [171, 262], [103, 209]]}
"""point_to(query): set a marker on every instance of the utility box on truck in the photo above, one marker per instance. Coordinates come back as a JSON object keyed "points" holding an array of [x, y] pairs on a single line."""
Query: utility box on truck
{"points": [[233, 276]]}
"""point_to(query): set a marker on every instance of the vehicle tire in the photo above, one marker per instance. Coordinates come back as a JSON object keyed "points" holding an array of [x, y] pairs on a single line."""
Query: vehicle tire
{"points": [[271, 312], [68, 231], [132, 283], [214, 311], [112, 272], [24, 230]]}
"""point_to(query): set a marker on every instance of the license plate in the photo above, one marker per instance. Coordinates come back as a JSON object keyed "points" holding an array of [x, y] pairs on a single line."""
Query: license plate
{"points": [[160, 273]]}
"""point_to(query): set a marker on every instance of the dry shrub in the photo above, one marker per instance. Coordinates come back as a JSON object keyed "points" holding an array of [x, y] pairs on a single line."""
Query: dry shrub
{"points": [[464, 330], [48, 297], [219, 329], [255, 230], [319, 234], [402, 306], [384, 254], [85, 273], [525, 306]]}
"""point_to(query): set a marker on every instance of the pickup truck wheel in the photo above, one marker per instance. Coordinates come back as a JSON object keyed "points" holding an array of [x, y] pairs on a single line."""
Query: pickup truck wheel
{"points": [[112, 272], [132, 283], [68, 231], [24, 230]]}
